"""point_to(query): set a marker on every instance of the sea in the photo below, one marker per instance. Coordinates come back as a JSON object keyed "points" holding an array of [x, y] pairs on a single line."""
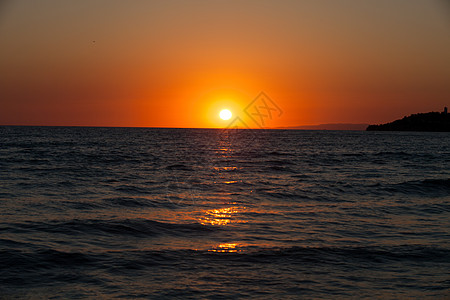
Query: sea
{"points": [[160, 213]]}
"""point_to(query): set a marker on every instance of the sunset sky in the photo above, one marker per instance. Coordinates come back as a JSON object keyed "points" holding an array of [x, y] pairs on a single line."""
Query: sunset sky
{"points": [[178, 63]]}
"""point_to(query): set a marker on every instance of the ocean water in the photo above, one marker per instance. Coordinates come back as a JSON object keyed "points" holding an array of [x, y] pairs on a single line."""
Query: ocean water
{"points": [[221, 214]]}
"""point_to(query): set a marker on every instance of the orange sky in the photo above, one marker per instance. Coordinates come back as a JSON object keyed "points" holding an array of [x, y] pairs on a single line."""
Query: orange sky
{"points": [[177, 63]]}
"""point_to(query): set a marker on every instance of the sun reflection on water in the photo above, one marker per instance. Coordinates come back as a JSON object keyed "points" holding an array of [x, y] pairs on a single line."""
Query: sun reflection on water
{"points": [[230, 182], [225, 168], [222, 216], [226, 247]]}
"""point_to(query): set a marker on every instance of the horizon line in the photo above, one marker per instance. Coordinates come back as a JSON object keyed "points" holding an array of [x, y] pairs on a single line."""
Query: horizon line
{"points": [[297, 127]]}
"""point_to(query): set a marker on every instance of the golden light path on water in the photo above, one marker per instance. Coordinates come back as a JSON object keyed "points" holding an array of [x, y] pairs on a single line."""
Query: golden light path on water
{"points": [[221, 216], [229, 212], [226, 247], [212, 203]]}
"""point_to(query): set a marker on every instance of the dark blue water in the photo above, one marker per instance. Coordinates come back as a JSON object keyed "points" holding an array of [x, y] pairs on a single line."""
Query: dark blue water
{"points": [[198, 213]]}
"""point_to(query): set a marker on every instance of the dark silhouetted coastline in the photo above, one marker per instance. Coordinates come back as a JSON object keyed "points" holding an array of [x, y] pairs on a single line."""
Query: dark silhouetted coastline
{"points": [[432, 121]]}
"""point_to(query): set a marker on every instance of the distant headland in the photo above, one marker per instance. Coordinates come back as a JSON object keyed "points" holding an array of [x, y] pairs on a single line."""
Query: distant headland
{"points": [[329, 126], [432, 121]]}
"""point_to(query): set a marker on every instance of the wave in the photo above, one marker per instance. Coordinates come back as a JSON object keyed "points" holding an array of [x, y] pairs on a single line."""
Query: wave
{"points": [[179, 167], [133, 189], [133, 227], [426, 187], [283, 169], [356, 154], [392, 153], [140, 202], [323, 272], [46, 257], [279, 162], [437, 182], [277, 153]]}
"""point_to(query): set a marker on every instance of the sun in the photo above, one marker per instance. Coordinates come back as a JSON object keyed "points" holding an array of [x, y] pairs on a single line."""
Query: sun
{"points": [[225, 114]]}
